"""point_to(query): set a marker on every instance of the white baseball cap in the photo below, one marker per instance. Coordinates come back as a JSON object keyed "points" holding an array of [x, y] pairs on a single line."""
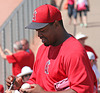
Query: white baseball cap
{"points": [[25, 70], [80, 36], [90, 55]]}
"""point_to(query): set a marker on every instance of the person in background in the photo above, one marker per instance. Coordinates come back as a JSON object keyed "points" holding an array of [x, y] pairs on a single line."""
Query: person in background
{"points": [[83, 13], [60, 56], [18, 59], [1, 89], [25, 73], [71, 6], [91, 57], [81, 38]]}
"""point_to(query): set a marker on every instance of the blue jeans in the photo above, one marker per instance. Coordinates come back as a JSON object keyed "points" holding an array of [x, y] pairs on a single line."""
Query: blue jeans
{"points": [[72, 11]]}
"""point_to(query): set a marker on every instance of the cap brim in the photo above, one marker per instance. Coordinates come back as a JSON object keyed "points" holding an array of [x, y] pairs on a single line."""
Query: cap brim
{"points": [[34, 25], [83, 37], [22, 74]]}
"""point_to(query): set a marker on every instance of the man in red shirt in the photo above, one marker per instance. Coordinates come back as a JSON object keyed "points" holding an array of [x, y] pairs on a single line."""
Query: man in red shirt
{"points": [[60, 56], [19, 59]]}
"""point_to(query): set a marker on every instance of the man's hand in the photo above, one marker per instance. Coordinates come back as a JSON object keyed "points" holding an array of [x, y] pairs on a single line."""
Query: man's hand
{"points": [[35, 88], [17, 83], [7, 91], [8, 51]]}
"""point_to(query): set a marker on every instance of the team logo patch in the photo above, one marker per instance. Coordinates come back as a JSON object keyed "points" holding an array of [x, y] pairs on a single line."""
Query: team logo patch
{"points": [[34, 15], [47, 66]]}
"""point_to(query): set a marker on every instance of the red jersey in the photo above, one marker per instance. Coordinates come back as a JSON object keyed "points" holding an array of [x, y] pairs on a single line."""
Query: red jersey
{"points": [[67, 60], [1, 89], [88, 48], [70, 2], [19, 60]]}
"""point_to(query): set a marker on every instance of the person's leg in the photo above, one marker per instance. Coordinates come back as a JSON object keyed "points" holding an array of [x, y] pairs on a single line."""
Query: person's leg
{"points": [[70, 13], [81, 22], [85, 18], [74, 16]]}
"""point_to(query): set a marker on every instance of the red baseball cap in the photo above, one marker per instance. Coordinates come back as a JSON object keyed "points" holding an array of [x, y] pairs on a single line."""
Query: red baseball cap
{"points": [[43, 15]]}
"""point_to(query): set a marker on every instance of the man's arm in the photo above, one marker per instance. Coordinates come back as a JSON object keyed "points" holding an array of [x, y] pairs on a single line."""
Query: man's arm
{"points": [[38, 89], [2, 53], [8, 51]]}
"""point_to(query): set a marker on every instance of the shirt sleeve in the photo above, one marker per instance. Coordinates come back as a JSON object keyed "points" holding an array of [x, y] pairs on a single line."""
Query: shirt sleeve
{"points": [[80, 74], [11, 58], [17, 57]]}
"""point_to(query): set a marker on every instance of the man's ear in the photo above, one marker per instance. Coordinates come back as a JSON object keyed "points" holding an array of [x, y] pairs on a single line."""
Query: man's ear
{"points": [[56, 23]]}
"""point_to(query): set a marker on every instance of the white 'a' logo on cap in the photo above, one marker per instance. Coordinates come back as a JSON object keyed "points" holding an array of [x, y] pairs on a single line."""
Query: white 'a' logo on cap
{"points": [[34, 15]]}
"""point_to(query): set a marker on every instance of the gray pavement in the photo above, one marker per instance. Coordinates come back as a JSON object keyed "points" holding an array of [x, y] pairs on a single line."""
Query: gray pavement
{"points": [[93, 29]]}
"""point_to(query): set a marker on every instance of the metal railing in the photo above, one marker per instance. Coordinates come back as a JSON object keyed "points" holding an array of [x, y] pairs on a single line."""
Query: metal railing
{"points": [[13, 30]]}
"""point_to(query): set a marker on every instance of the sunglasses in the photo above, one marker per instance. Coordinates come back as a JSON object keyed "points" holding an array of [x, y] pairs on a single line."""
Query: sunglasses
{"points": [[27, 75]]}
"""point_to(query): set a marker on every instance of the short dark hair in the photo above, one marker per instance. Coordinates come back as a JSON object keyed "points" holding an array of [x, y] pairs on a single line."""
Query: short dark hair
{"points": [[61, 23]]}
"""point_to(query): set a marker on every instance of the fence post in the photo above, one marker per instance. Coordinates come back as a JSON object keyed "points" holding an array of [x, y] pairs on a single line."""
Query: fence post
{"points": [[4, 62], [74, 29]]}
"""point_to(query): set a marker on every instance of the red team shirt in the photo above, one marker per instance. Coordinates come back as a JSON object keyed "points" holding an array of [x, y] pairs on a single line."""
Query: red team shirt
{"points": [[1, 89], [71, 2], [68, 60], [88, 48], [19, 60]]}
